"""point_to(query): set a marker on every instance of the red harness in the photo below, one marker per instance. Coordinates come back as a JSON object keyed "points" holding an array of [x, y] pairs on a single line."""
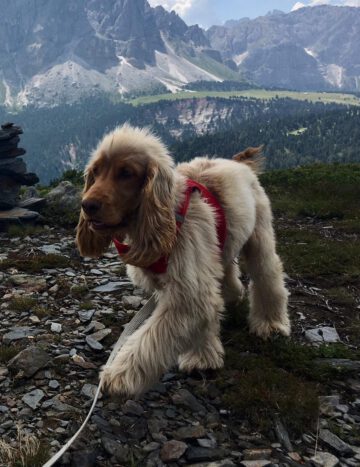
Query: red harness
{"points": [[160, 266]]}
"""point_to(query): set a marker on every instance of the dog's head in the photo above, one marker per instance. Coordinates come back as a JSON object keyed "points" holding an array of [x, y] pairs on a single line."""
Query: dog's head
{"points": [[129, 191]]}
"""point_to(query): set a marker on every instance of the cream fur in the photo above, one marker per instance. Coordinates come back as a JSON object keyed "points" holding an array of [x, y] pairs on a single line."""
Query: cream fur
{"points": [[185, 325]]}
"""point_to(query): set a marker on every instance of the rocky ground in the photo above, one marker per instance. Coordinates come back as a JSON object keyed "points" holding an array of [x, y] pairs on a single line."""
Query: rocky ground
{"points": [[286, 403]]}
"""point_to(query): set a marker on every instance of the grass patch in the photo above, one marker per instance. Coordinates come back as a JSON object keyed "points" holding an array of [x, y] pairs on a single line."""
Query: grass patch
{"points": [[55, 215], [42, 312], [7, 352], [338, 98], [87, 305], [23, 231], [22, 304], [340, 295], [79, 291], [312, 255], [26, 451], [277, 376], [319, 191], [35, 263], [259, 395]]}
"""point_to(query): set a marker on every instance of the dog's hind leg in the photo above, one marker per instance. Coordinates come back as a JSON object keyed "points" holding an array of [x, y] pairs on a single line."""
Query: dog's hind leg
{"points": [[233, 290], [268, 295]]}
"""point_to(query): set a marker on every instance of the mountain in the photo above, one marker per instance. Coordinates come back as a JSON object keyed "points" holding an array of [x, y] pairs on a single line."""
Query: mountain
{"points": [[314, 48], [60, 51], [52, 51]]}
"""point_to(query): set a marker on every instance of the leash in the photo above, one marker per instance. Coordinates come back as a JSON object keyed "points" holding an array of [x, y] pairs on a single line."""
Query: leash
{"points": [[143, 314]]}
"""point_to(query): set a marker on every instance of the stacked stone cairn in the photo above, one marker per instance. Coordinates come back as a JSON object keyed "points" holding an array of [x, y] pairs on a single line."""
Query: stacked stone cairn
{"points": [[13, 176]]}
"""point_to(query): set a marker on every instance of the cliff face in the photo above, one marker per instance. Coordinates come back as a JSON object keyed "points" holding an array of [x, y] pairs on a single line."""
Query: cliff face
{"points": [[312, 48], [52, 51]]}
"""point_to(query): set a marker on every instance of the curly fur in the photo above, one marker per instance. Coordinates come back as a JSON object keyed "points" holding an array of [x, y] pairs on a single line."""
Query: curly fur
{"points": [[185, 326]]}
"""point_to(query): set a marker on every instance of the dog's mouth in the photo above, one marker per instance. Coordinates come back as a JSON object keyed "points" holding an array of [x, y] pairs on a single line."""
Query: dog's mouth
{"points": [[98, 225]]}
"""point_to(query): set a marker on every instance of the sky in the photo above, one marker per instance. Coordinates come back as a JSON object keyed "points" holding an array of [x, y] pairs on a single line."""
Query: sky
{"points": [[209, 12]]}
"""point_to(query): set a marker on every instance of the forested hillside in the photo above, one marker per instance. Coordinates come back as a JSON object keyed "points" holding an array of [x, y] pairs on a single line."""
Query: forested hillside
{"points": [[294, 132], [289, 141]]}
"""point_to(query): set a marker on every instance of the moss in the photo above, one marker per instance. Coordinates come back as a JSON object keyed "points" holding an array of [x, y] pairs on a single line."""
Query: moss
{"points": [[22, 304], [35, 263]]}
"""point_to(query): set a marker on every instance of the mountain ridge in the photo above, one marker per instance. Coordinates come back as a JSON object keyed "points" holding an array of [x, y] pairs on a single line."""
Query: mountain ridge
{"points": [[52, 52]]}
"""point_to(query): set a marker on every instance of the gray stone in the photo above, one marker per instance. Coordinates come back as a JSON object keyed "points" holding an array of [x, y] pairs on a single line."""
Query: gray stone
{"points": [[190, 432], [33, 398], [130, 301], [334, 442], [29, 282], [325, 459], [198, 454], [206, 443], [112, 287], [29, 361], [184, 398], [114, 448], [153, 446], [221, 463], [56, 327], [50, 249], [100, 335], [132, 408], [89, 390], [59, 406], [328, 403], [18, 333], [85, 458], [323, 334], [172, 450], [85, 316], [256, 454], [93, 344], [257, 463], [65, 195], [54, 384]]}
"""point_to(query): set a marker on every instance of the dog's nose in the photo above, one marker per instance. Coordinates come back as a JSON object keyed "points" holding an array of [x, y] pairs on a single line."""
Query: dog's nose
{"points": [[91, 206]]}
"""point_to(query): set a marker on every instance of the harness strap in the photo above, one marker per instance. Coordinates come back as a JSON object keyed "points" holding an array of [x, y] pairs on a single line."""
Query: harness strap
{"points": [[160, 266]]}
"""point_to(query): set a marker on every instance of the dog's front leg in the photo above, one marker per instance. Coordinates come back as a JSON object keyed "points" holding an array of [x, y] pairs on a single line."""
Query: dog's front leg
{"points": [[147, 353]]}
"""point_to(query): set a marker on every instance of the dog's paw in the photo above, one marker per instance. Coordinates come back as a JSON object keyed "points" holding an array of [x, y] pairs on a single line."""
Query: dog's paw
{"points": [[211, 357], [264, 329], [113, 382]]}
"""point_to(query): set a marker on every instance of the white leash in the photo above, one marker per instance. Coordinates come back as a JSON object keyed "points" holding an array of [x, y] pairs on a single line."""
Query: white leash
{"points": [[139, 318]]}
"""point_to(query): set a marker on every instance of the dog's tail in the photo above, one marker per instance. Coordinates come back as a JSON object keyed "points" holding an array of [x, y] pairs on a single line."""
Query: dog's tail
{"points": [[253, 157]]}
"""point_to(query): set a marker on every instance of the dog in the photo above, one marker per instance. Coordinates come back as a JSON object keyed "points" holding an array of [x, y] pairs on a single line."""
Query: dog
{"points": [[133, 192]]}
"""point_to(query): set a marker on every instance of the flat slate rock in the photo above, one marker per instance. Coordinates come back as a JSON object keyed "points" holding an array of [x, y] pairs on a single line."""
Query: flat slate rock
{"points": [[9, 130], [7, 151], [31, 203], [17, 214], [112, 287]]}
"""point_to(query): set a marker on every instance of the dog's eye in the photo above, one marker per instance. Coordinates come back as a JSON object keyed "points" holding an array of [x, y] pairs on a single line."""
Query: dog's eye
{"points": [[124, 173]]}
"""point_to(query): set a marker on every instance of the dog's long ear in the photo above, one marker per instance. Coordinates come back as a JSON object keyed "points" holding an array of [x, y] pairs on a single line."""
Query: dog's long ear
{"points": [[155, 230], [88, 242]]}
